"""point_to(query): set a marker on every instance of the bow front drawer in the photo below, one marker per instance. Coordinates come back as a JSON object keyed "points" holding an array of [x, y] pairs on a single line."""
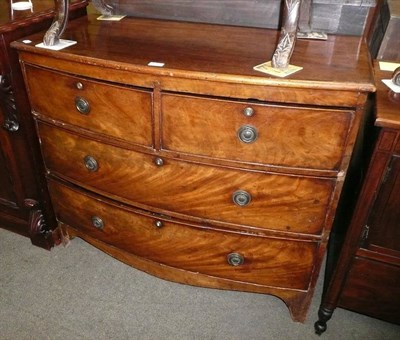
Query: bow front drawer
{"points": [[255, 199], [239, 257], [257, 133], [117, 111]]}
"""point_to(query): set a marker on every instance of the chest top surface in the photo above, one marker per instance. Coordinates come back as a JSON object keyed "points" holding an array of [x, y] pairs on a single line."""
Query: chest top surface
{"points": [[211, 52]]}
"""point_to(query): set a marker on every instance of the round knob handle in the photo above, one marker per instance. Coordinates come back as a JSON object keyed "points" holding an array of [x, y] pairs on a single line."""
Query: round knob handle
{"points": [[90, 163], [79, 85], [248, 111], [247, 134], [241, 198], [159, 161], [97, 222], [235, 259], [158, 224], [82, 105]]}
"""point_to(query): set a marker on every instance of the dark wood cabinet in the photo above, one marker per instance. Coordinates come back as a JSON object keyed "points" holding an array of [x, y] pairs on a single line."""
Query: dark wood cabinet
{"points": [[22, 197], [366, 278], [384, 222]]}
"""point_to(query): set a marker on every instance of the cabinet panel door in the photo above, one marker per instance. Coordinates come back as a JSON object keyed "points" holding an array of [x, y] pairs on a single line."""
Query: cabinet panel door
{"points": [[372, 288], [384, 221]]}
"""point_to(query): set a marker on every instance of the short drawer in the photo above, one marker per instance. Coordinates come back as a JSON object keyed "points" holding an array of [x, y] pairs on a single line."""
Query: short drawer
{"points": [[256, 133], [117, 111], [238, 257], [255, 199]]}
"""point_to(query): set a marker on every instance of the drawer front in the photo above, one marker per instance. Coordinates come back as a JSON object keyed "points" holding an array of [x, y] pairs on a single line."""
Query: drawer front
{"points": [[116, 111], [266, 261], [289, 203], [284, 136]]}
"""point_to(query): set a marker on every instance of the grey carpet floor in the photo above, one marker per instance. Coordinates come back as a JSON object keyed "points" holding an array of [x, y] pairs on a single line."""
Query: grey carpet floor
{"points": [[79, 292]]}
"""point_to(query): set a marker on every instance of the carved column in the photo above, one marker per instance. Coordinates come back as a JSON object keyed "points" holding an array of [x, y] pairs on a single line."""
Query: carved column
{"points": [[7, 102]]}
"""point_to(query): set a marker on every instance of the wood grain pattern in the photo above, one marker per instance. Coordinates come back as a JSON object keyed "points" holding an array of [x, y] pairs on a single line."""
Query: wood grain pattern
{"points": [[287, 203], [267, 261], [133, 121], [223, 85], [287, 136]]}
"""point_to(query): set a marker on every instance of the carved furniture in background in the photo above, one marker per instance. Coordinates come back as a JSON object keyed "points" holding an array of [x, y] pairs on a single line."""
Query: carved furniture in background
{"points": [[21, 196], [367, 276], [164, 148]]}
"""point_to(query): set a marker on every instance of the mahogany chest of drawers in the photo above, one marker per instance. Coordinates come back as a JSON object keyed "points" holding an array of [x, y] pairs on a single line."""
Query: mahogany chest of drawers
{"points": [[199, 170]]}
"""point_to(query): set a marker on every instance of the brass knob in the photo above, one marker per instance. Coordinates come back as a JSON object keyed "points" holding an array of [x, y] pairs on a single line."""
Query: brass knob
{"points": [[248, 111], [97, 222], [91, 163], [159, 161], [247, 134], [79, 85], [241, 198], [82, 105], [158, 224], [235, 259]]}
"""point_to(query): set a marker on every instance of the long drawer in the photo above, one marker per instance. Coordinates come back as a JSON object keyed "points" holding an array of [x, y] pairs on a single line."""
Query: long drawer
{"points": [[117, 111], [255, 199], [257, 133], [239, 257]]}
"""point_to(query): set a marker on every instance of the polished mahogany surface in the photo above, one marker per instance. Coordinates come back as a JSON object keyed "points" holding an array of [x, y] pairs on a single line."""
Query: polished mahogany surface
{"points": [[186, 49]]}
